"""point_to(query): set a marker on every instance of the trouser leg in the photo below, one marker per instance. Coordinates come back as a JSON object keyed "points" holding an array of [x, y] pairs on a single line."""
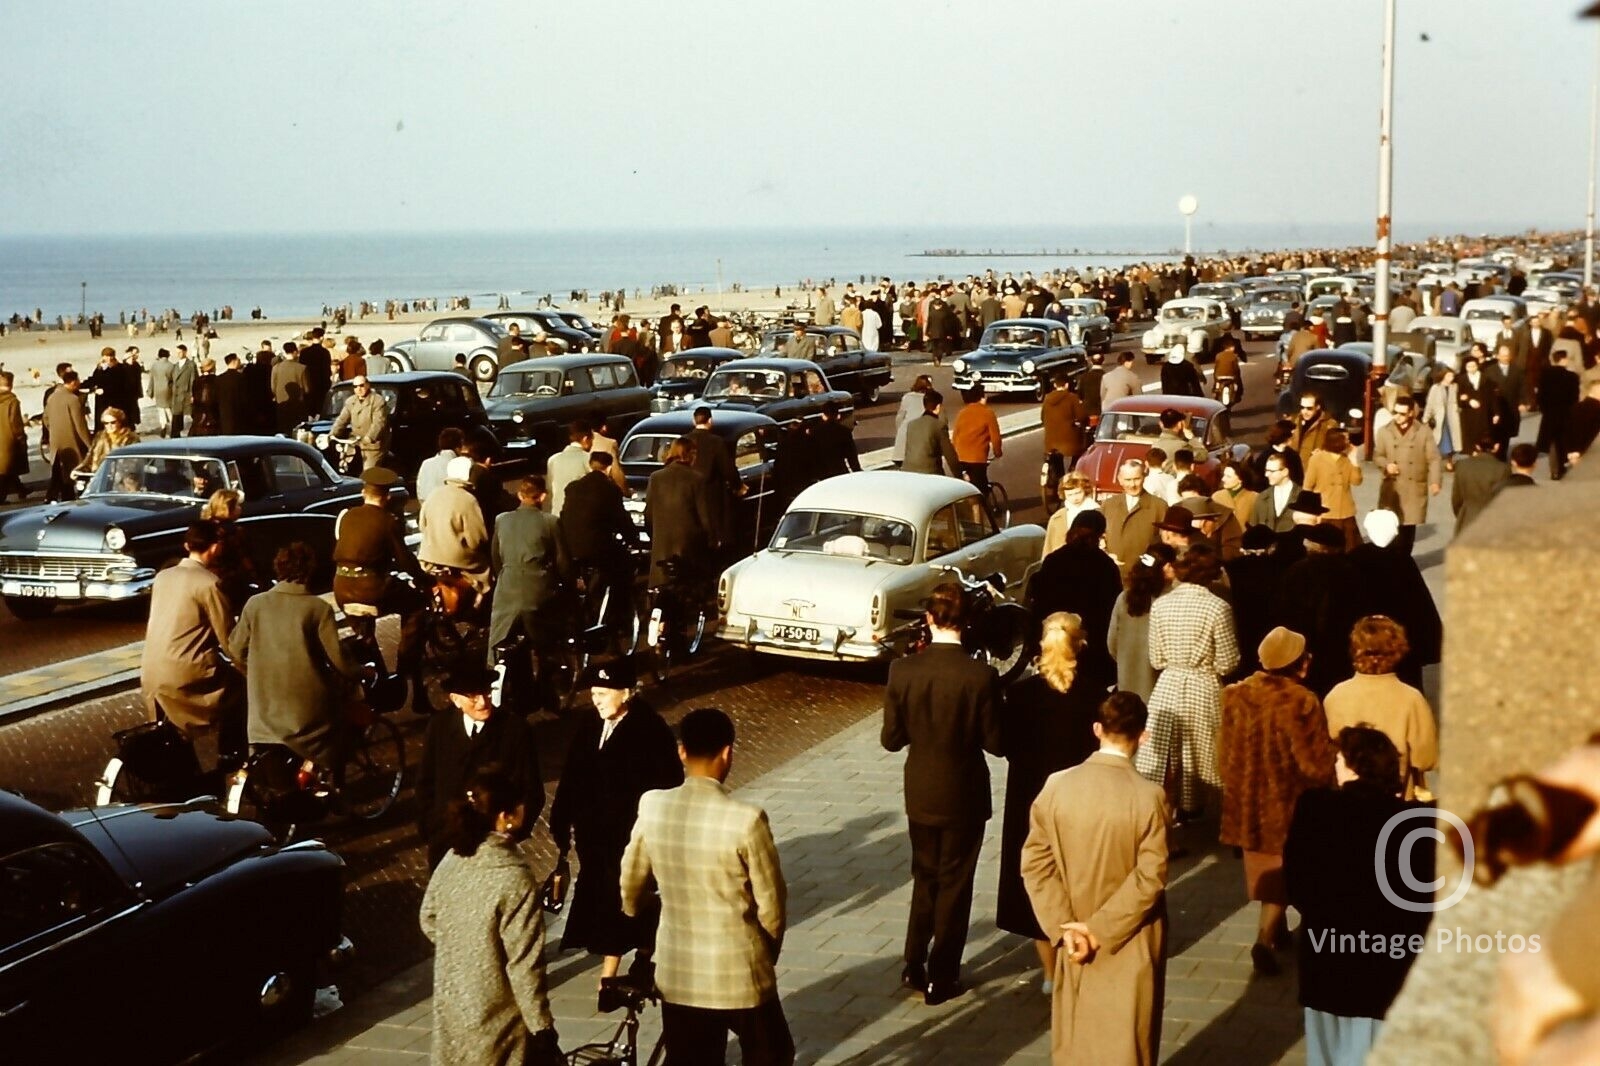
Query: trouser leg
{"points": [[694, 1036], [763, 1032], [924, 884], [958, 863]]}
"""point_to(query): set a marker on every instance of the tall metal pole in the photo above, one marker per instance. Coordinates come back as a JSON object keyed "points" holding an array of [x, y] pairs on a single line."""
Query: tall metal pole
{"points": [[1188, 226], [1594, 123], [83, 299], [1380, 301]]}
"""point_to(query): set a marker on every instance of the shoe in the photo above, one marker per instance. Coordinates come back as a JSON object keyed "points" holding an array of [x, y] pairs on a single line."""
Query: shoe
{"points": [[1284, 940], [1047, 986], [1264, 961], [942, 991], [914, 977]]}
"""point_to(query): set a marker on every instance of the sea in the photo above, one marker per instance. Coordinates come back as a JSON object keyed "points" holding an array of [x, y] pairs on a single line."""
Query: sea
{"points": [[297, 275]]}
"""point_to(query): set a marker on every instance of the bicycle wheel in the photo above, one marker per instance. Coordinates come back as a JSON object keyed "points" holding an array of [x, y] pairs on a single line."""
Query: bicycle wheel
{"points": [[999, 503], [694, 633], [374, 769]]}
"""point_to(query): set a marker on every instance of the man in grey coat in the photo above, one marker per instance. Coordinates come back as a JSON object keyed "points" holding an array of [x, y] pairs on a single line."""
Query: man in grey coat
{"points": [[66, 429], [184, 373], [366, 416], [1412, 469], [527, 559], [290, 390], [295, 669], [800, 346], [158, 387], [928, 446]]}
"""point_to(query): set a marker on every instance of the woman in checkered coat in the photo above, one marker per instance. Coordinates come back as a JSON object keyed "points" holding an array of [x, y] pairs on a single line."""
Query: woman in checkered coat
{"points": [[1192, 643]]}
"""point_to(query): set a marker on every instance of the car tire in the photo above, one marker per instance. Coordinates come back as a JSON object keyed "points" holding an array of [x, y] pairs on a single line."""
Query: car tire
{"points": [[1040, 390], [28, 609], [398, 364], [872, 394], [483, 368]]}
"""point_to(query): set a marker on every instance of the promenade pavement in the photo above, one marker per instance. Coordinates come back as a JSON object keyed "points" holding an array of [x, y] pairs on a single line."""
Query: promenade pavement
{"points": [[838, 818]]}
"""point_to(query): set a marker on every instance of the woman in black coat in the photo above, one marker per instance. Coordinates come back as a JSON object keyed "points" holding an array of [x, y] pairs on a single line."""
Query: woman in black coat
{"points": [[1080, 578], [203, 406], [1328, 869], [1047, 725], [616, 756], [1479, 398]]}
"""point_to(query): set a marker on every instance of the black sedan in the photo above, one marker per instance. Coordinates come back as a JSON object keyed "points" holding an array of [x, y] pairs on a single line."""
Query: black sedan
{"points": [[546, 328], [682, 377], [839, 353], [534, 401], [155, 934], [580, 322], [752, 439], [782, 389], [420, 404], [1337, 377], [1020, 355], [130, 522]]}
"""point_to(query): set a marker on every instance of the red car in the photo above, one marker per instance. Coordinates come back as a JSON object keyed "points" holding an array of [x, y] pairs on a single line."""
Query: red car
{"points": [[1129, 426]]}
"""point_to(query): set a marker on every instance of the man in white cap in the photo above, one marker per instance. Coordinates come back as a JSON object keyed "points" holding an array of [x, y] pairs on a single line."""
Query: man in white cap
{"points": [[454, 535], [1179, 376]]}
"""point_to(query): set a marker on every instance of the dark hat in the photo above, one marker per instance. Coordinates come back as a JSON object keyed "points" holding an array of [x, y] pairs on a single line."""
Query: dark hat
{"points": [[615, 673], [1204, 507], [1324, 536], [1179, 520], [470, 678], [1258, 539], [1308, 503], [380, 477]]}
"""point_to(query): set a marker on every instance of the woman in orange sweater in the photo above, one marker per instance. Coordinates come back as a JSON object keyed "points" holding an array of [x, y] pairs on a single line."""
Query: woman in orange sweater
{"points": [[1332, 471]]}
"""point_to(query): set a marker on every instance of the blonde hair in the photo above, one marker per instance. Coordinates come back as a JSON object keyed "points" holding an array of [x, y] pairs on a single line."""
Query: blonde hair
{"points": [[1060, 643], [223, 504], [1077, 479]]}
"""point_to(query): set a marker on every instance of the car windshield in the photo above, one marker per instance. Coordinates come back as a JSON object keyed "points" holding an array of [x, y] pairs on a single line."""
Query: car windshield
{"points": [[1219, 291], [1266, 296], [1438, 333], [687, 369], [1484, 314], [340, 393], [839, 533], [1138, 425], [527, 383], [184, 477], [1185, 313], [648, 449], [572, 318], [766, 384], [1013, 337], [493, 327]]}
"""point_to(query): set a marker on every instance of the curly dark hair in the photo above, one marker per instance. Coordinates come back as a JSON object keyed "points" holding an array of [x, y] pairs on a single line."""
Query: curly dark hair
{"points": [[1372, 757], [1200, 565], [295, 562], [469, 817], [1145, 582]]}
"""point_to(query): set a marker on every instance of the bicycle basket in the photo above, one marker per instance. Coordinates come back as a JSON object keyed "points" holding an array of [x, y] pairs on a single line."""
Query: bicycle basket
{"points": [[159, 761]]}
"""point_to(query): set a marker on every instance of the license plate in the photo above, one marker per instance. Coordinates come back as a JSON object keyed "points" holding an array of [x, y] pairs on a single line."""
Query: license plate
{"points": [[808, 634], [40, 592]]}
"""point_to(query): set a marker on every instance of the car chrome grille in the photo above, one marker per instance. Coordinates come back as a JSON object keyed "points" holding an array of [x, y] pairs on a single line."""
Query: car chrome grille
{"points": [[60, 567]]}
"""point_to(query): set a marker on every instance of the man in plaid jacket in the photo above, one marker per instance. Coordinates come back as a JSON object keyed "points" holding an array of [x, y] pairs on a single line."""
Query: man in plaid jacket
{"points": [[722, 906]]}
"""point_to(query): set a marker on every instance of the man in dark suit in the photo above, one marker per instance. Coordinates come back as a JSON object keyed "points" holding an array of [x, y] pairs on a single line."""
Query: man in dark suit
{"points": [[943, 329], [713, 461], [232, 413], [1558, 394], [676, 514], [1524, 457], [929, 449], [1514, 398], [597, 529], [833, 446], [943, 706], [1478, 478], [459, 743]]}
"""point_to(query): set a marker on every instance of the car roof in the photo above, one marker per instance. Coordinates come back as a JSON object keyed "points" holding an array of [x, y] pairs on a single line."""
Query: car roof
{"points": [[1153, 403], [1192, 301], [223, 447], [27, 825], [776, 363], [1437, 320], [410, 377], [1075, 301], [1335, 355], [724, 422], [824, 330], [469, 319], [565, 362], [1037, 323], [891, 493], [704, 353]]}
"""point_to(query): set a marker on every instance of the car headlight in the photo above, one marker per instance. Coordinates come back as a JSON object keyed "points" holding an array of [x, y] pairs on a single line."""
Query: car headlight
{"points": [[959, 366], [518, 417], [1027, 366], [322, 441], [116, 539], [1152, 338]]}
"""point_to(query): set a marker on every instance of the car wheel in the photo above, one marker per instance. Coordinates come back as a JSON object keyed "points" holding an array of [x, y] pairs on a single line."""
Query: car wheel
{"points": [[872, 394], [483, 368], [1040, 390], [27, 608], [398, 364]]}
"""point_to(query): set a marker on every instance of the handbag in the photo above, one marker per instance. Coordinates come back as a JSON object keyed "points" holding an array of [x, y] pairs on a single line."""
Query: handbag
{"points": [[553, 896]]}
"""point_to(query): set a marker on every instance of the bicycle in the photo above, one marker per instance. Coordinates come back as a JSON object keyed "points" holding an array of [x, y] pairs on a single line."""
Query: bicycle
{"points": [[679, 615], [997, 632], [998, 502], [618, 993]]}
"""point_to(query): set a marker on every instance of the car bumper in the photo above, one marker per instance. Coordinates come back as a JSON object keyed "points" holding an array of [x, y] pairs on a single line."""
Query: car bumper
{"points": [[1263, 329], [995, 382], [833, 643], [137, 586]]}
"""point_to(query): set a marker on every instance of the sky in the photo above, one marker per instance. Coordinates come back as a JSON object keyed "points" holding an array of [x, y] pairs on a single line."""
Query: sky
{"points": [[428, 115]]}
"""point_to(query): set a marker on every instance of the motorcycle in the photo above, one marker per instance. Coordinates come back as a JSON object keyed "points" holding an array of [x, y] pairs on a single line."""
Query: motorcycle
{"points": [[996, 631]]}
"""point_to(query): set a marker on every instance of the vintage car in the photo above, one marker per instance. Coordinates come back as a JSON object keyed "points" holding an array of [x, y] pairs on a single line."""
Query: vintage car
{"points": [[532, 403], [420, 404], [580, 322], [1129, 427], [1450, 337], [848, 365], [199, 930], [486, 344], [1195, 322], [545, 328], [1020, 355], [1540, 300], [130, 521], [782, 389], [1228, 292], [1338, 377], [751, 437], [857, 552], [1483, 316], [682, 376], [1088, 324], [1264, 309]]}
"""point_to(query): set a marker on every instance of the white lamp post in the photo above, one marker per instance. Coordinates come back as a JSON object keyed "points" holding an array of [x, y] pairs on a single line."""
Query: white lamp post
{"points": [[1187, 206]]}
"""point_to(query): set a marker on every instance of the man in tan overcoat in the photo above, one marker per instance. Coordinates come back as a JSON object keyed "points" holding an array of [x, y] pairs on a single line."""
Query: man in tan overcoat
{"points": [[1095, 867], [182, 672], [1408, 458], [1132, 515]]}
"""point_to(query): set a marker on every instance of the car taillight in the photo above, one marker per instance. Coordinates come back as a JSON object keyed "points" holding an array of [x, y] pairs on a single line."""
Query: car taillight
{"points": [[722, 594], [877, 608]]}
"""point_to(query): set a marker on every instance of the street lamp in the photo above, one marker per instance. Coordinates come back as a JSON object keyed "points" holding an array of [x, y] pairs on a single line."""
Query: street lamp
{"points": [[1187, 206], [1380, 302], [1592, 11], [83, 299]]}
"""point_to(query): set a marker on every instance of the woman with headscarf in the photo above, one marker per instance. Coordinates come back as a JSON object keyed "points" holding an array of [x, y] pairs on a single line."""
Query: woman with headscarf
{"points": [[1080, 578], [1128, 638], [1047, 725]]}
